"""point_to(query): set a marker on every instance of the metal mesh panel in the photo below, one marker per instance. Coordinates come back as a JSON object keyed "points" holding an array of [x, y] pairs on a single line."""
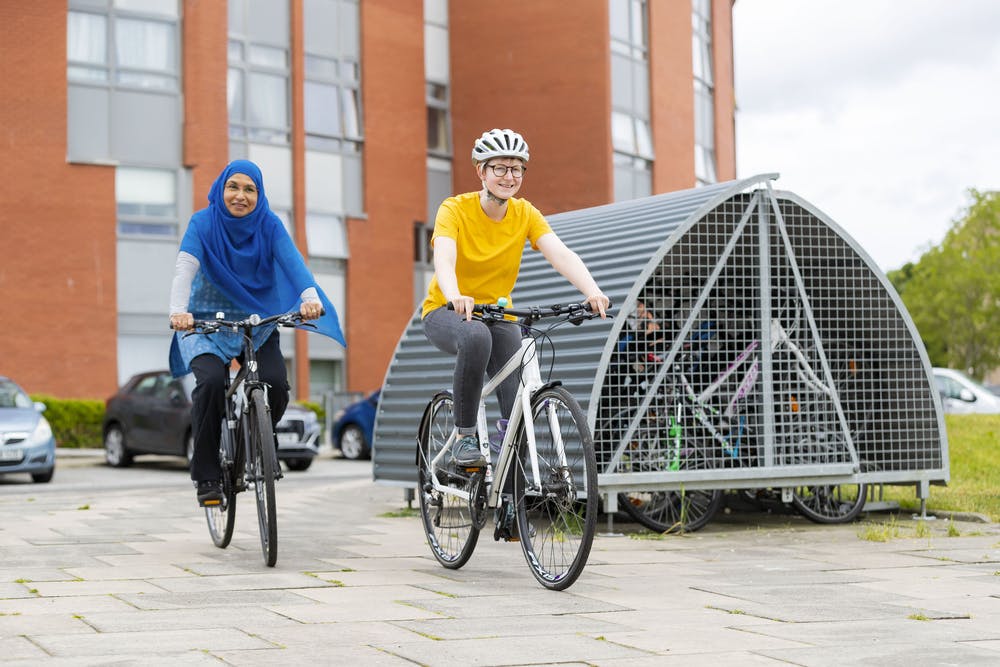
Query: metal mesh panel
{"points": [[764, 345]]}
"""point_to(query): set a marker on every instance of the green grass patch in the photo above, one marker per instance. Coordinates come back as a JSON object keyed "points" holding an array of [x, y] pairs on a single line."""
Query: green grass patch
{"points": [[403, 513], [975, 470]]}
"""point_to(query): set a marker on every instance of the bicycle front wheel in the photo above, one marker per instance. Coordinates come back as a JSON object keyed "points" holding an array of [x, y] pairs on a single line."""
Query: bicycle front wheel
{"points": [[263, 463], [556, 517], [447, 518], [221, 518]]}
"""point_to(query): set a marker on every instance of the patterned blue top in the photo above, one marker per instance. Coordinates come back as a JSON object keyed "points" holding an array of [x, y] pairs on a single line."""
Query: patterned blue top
{"points": [[206, 301]]}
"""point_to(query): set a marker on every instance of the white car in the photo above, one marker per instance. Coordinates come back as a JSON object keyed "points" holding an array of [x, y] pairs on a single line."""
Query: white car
{"points": [[961, 395]]}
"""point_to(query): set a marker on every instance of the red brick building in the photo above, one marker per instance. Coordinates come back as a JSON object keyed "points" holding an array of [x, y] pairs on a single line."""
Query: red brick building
{"points": [[116, 117]]}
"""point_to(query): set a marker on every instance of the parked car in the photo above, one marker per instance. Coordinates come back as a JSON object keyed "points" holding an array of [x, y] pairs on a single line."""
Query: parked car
{"points": [[151, 414], [962, 395], [26, 441], [354, 426]]}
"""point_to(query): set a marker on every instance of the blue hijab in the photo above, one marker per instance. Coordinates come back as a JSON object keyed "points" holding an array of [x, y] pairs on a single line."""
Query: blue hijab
{"points": [[251, 259]]}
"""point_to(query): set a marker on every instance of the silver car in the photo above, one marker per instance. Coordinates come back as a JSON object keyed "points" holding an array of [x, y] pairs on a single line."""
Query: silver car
{"points": [[962, 395], [26, 441]]}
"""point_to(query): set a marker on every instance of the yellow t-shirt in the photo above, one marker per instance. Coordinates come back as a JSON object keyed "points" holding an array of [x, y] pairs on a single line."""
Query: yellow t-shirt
{"points": [[488, 251]]}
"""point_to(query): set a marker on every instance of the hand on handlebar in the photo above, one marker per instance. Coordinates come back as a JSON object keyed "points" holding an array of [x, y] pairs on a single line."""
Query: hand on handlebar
{"points": [[311, 310], [182, 321], [463, 306], [599, 303]]}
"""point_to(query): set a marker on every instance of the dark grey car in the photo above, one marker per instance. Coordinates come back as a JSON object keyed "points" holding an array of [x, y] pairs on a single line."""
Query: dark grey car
{"points": [[151, 414]]}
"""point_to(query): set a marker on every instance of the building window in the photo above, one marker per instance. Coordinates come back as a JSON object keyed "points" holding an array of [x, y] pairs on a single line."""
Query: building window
{"points": [[704, 92], [438, 99], [327, 236], [146, 202], [258, 81], [631, 136], [334, 122], [129, 45]]}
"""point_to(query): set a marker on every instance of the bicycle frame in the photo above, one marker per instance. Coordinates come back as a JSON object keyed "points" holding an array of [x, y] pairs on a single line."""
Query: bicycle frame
{"points": [[525, 360], [238, 391], [700, 408]]}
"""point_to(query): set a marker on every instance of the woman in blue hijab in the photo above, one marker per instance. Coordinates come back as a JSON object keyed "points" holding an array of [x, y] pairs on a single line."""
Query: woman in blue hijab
{"points": [[237, 258]]}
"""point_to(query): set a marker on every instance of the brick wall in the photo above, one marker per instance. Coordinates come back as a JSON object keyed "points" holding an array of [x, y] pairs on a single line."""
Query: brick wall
{"points": [[57, 277]]}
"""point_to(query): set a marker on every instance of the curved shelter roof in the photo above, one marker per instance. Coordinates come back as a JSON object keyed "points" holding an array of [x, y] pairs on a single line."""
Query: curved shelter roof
{"points": [[743, 316]]}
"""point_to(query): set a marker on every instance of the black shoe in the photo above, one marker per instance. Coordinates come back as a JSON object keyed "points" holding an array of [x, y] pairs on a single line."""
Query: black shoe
{"points": [[209, 493], [466, 454]]}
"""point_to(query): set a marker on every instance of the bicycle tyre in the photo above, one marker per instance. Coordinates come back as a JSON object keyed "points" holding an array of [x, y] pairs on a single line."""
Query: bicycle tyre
{"points": [[672, 511], [556, 524], [222, 518], [830, 504], [262, 473], [447, 519]]}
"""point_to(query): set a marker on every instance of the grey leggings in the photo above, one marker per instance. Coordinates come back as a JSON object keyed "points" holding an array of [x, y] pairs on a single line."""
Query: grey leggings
{"points": [[481, 349]]}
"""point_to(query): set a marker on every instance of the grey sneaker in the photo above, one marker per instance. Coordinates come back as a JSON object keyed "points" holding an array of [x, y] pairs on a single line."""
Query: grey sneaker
{"points": [[465, 453]]}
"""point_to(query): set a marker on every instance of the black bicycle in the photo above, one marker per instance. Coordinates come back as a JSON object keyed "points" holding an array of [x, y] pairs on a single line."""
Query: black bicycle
{"points": [[247, 446]]}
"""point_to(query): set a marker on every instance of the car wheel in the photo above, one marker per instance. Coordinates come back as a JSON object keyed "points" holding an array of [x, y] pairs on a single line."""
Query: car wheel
{"points": [[189, 448], [352, 442], [116, 454], [298, 465], [43, 477]]}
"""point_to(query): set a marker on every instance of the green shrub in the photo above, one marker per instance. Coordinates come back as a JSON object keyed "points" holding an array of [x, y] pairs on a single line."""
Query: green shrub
{"points": [[315, 407], [76, 422]]}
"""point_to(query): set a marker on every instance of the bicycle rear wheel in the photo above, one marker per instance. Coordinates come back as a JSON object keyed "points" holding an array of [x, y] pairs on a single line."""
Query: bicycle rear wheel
{"points": [[447, 518], [830, 504], [556, 523], [221, 518], [263, 465], [672, 511]]}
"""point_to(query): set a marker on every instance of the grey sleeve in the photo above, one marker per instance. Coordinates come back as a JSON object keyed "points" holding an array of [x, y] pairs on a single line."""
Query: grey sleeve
{"points": [[184, 272], [309, 295]]}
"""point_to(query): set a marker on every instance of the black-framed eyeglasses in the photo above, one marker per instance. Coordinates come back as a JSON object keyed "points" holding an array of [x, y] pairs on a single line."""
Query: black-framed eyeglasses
{"points": [[500, 170]]}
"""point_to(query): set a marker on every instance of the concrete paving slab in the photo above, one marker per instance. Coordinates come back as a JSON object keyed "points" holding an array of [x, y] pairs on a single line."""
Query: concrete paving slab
{"points": [[154, 643], [891, 655], [20, 648], [524, 650]]}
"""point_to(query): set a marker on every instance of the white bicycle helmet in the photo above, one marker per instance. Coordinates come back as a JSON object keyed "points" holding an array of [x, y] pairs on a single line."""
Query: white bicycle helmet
{"points": [[499, 143]]}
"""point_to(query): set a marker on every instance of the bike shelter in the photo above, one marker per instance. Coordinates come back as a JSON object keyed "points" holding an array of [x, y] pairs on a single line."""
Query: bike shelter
{"points": [[752, 344]]}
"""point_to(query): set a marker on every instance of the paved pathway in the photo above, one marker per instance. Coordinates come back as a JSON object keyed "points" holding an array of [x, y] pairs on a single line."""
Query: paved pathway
{"points": [[110, 576]]}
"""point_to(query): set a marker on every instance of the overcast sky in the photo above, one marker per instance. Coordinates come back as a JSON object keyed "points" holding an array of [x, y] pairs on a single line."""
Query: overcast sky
{"points": [[881, 113]]}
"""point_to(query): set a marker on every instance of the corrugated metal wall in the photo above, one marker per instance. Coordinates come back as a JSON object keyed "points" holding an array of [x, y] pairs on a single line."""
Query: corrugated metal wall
{"points": [[710, 266]]}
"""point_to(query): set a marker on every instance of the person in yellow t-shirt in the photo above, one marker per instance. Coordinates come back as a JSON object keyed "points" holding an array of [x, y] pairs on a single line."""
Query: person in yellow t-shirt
{"points": [[478, 241]]}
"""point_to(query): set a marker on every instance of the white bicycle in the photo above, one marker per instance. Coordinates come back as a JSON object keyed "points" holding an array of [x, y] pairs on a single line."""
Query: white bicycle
{"points": [[541, 488]]}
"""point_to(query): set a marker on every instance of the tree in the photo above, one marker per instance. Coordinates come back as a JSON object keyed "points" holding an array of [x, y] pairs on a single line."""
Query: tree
{"points": [[953, 291]]}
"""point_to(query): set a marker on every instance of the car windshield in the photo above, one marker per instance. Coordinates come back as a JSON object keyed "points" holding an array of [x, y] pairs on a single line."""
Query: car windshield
{"points": [[11, 396]]}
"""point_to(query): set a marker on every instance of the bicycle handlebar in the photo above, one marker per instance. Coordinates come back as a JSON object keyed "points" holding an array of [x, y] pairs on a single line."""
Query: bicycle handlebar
{"points": [[577, 312], [290, 319]]}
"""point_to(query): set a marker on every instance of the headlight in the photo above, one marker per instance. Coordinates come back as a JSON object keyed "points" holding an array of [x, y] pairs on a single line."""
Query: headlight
{"points": [[42, 433]]}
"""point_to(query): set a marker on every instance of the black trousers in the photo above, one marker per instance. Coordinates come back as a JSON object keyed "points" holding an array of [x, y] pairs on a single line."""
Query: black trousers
{"points": [[209, 407]]}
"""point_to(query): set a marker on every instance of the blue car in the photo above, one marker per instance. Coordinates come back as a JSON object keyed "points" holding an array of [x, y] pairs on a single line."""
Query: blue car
{"points": [[353, 427], [26, 441]]}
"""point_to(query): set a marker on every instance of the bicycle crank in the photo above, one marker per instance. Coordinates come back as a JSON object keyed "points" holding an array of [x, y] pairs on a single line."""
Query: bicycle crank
{"points": [[477, 498]]}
